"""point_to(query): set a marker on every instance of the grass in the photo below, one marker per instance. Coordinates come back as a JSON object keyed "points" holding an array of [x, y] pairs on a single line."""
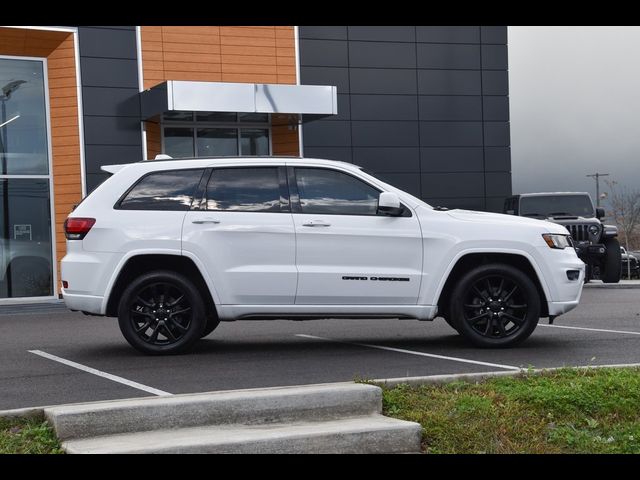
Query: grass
{"points": [[563, 411], [32, 435]]}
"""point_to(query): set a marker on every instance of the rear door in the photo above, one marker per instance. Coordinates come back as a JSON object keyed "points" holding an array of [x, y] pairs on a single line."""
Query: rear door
{"points": [[243, 232]]}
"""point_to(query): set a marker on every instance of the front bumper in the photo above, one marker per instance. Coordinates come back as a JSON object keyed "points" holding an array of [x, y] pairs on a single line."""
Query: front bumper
{"points": [[563, 292]]}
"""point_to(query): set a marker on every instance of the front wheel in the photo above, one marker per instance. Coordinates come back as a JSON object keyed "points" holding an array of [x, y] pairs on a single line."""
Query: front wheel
{"points": [[495, 305], [612, 264], [161, 313]]}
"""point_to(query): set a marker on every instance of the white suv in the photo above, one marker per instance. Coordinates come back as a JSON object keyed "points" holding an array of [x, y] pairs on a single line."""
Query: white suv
{"points": [[173, 247]]}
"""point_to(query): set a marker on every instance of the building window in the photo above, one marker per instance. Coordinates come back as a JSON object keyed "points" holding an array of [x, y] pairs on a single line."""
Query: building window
{"points": [[205, 134]]}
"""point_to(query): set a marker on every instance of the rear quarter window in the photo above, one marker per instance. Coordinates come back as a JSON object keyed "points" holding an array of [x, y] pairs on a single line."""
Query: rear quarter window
{"points": [[165, 190]]}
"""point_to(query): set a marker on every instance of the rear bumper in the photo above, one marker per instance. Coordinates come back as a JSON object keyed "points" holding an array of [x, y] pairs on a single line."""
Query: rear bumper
{"points": [[84, 303]]}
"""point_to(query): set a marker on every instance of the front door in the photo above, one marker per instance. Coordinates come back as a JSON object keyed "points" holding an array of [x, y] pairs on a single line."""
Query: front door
{"points": [[346, 253], [243, 231]]}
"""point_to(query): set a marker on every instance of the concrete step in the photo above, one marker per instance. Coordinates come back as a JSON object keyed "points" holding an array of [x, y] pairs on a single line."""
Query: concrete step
{"points": [[249, 407], [365, 434]]}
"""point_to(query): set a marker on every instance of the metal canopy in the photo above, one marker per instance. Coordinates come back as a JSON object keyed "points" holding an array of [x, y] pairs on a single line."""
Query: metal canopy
{"points": [[310, 101]]}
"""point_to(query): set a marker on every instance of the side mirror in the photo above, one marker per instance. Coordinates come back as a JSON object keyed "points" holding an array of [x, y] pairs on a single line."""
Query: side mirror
{"points": [[599, 212], [389, 204]]}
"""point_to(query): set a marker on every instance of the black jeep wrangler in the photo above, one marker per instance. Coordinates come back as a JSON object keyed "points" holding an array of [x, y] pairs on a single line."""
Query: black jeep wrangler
{"points": [[595, 243]]}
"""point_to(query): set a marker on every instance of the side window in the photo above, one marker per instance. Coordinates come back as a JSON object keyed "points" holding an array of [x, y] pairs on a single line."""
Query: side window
{"points": [[167, 190], [325, 191], [244, 190]]}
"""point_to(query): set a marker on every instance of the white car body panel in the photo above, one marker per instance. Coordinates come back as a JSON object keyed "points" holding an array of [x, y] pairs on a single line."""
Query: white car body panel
{"points": [[271, 264]]}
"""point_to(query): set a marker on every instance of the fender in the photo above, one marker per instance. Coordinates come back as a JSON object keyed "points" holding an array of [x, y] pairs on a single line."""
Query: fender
{"points": [[510, 251]]}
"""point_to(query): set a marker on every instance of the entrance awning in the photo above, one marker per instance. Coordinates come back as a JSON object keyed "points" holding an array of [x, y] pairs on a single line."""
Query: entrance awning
{"points": [[309, 101]]}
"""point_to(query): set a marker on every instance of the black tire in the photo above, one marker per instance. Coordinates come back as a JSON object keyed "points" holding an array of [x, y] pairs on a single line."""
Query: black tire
{"points": [[30, 277], [612, 265], [212, 324], [450, 323], [495, 306], [161, 313]]}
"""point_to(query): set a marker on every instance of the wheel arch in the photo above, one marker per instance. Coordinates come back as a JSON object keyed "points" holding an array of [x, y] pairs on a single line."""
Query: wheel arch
{"points": [[140, 263], [470, 260]]}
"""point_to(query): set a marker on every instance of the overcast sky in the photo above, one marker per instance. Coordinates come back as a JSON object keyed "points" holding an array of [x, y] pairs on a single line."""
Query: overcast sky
{"points": [[574, 95]]}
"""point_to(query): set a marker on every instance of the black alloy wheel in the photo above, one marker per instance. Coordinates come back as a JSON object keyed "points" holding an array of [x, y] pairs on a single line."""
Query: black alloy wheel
{"points": [[495, 306], [161, 313]]}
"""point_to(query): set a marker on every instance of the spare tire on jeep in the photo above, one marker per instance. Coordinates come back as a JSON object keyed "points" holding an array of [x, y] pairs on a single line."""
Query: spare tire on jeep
{"points": [[612, 263]]}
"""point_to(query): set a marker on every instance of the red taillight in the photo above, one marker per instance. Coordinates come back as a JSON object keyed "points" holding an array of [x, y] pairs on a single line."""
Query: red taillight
{"points": [[76, 228]]}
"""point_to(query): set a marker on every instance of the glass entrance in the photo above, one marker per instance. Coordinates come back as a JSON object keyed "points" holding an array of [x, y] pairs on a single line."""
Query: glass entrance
{"points": [[26, 255]]}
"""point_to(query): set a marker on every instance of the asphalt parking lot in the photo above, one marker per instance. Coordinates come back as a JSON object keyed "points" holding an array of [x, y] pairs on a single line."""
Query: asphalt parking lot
{"points": [[50, 356]]}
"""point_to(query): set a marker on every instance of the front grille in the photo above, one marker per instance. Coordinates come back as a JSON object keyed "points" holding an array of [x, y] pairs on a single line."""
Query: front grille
{"points": [[579, 232]]}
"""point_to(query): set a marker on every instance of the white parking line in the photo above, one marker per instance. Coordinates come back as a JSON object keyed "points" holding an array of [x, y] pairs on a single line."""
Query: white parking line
{"points": [[99, 373], [412, 352], [590, 329]]}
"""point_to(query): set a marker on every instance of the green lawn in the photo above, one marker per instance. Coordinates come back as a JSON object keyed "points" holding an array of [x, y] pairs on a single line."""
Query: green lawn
{"points": [[564, 411], [27, 436]]}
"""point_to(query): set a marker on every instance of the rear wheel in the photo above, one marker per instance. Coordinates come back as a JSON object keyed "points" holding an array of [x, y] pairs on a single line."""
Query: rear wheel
{"points": [[612, 264], [495, 305], [161, 313]]}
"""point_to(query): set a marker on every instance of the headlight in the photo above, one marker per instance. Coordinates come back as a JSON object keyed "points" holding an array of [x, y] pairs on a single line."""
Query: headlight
{"points": [[594, 230], [555, 240]]}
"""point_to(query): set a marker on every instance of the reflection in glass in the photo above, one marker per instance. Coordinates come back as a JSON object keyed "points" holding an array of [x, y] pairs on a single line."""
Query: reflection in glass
{"points": [[178, 142], [25, 238], [23, 121], [327, 191], [167, 190], [217, 141], [216, 117], [176, 116], [254, 117], [244, 190], [254, 141]]}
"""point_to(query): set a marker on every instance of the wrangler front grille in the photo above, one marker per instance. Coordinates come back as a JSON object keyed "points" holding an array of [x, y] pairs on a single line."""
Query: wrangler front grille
{"points": [[579, 232]]}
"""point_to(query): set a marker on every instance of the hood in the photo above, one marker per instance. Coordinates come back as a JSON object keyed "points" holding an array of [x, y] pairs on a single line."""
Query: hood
{"points": [[504, 219]]}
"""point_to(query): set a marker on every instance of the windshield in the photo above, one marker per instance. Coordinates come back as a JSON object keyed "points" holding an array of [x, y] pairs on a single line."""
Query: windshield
{"points": [[556, 206]]}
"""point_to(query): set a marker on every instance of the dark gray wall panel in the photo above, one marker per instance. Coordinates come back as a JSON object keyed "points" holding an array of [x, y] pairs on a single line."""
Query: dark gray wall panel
{"points": [[327, 53], [496, 108], [451, 134], [383, 81], [498, 184], [384, 107], [496, 134], [449, 82], [111, 131], [382, 33], [453, 34], [493, 34], [496, 204], [382, 55], [384, 134], [108, 43], [338, 77], [497, 159], [95, 179], [494, 57], [452, 185], [388, 159], [103, 101], [111, 155], [109, 72], [326, 33], [443, 55], [329, 134], [495, 82], [342, 154], [425, 108], [404, 181], [450, 159], [450, 107]]}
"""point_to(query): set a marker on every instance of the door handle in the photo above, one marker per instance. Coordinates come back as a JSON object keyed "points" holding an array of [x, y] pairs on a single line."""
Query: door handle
{"points": [[316, 223], [206, 220]]}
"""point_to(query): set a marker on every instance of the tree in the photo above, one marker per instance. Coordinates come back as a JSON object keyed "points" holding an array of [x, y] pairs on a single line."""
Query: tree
{"points": [[625, 208]]}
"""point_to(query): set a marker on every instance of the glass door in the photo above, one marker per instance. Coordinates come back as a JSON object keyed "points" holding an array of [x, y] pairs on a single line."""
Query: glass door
{"points": [[26, 236]]}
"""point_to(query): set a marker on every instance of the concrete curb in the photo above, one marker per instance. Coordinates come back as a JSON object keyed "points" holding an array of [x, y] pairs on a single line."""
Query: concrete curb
{"points": [[614, 285]]}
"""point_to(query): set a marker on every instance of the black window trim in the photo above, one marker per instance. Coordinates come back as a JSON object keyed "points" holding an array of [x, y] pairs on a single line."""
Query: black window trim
{"points": [[296, 207], [117, 205], [285, 204]]}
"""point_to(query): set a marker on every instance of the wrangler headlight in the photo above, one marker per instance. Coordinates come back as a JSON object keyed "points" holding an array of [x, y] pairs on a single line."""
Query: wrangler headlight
{"points": [[556, 240]]}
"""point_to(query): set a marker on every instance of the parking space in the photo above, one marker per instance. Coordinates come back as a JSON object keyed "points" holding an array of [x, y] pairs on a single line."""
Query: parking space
{"points": [[79, 358]]}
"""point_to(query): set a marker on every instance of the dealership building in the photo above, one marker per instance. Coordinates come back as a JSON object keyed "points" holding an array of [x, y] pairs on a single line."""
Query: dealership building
{"points": [[425, 108]]}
